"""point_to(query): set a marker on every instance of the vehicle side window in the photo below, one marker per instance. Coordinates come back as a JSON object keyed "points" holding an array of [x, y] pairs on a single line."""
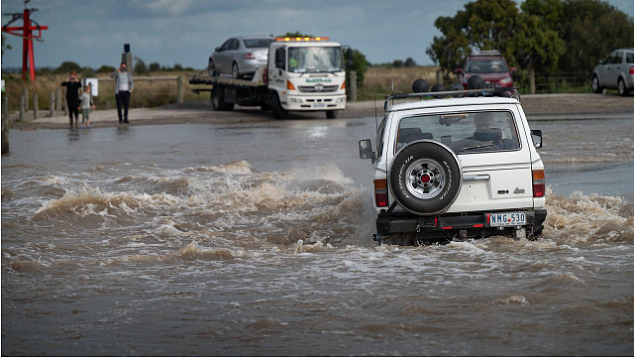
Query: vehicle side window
{"points": [[233, 44], [379, 138], [225, 46], [629, 57], [617, 58], [608, 60], [280, 58]]}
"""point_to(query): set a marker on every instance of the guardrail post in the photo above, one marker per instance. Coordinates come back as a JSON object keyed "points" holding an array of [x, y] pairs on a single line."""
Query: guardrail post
{"points": [[35, 105], [22, 109], [25, 94], [179, 89], [353, 86], [439, 75], [531, 75], [51, 100], [5, 106], [58, 99]]}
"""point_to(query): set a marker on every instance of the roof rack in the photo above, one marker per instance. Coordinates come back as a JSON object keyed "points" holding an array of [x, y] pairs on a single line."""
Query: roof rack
{"points": [[487, 53], [510, 92]]}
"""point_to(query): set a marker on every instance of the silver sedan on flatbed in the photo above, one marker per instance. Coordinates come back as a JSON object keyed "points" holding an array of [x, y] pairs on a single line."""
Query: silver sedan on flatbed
{"points": [[240, 56]]}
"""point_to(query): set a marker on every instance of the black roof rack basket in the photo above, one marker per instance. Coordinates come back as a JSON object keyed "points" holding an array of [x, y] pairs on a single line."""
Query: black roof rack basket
{"points": [[510, 92]]}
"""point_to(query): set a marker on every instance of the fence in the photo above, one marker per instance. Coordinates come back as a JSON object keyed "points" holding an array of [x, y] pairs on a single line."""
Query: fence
{"points": [[148, 92], [549, 82]]}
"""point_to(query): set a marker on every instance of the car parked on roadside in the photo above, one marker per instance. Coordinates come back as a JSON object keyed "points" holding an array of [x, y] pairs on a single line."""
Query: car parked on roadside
{"points": [[455, 168], [491, 66], [615, 71], [240, 56]]}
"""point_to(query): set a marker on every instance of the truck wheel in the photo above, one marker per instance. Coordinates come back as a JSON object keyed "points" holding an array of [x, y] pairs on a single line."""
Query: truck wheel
{"points": [[596, 87], [276, 107], [218, 99], [425, 178], [331, 114]]}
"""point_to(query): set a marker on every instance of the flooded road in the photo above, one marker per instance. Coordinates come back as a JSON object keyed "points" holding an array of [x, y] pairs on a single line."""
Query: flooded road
{"points": [[255, 239]]}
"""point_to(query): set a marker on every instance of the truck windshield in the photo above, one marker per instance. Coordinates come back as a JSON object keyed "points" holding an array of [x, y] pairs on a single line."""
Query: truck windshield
{"points": [[464, 133], [314, 59]]}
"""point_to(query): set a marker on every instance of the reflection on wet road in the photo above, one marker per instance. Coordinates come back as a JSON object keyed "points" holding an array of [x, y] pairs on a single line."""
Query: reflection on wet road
{"points": [[255, 239]]}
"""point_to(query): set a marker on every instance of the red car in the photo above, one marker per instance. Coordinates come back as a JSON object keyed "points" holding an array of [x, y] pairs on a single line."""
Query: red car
{"points": [[491, 66]]}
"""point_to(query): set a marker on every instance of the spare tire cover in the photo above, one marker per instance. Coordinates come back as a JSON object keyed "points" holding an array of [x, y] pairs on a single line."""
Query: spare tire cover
{"points": [[425, 177]]}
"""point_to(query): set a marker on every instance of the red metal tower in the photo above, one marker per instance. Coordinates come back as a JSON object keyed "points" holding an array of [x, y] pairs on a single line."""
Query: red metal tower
{"points": [[27, 35]]}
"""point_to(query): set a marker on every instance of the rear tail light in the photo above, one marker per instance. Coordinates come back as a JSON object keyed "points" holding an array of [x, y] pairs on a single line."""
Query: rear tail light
{"points": [[539, 184], [289, 86], [380, 192], [631, 70], [265, 76], [249, 56]]}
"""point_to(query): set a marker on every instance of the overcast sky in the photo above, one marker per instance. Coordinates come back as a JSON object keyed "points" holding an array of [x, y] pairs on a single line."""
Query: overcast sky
{"points": [[92, 33]]}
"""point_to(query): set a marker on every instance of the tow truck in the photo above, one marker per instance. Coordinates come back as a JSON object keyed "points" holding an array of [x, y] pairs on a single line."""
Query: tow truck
{"points": [[301, 74]]}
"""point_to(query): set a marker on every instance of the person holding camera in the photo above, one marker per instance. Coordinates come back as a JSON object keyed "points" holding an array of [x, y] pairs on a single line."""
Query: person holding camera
{"points": [[72, 97], [123, 87]]}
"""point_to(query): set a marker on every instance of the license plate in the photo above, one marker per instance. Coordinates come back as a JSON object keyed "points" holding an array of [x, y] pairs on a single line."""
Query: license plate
{"points": [[320, 105], [507, 219]]}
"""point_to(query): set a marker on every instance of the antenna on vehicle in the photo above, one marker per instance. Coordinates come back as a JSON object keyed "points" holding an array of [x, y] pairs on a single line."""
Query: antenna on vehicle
{"points": [[392, 89]]}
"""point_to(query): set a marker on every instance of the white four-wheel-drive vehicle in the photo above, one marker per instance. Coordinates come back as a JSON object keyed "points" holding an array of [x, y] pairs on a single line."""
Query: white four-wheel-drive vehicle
{"points": [[300, 74], [463, 165]]}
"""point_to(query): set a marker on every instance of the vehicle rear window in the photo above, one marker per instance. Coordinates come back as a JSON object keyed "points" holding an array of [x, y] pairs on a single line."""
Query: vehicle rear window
{"points": [[464, 133], [257, 43], [629, 57], [486, 66]]}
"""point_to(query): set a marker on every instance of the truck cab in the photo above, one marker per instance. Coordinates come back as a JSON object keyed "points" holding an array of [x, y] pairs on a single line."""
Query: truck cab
{"points": [[306, 74]]}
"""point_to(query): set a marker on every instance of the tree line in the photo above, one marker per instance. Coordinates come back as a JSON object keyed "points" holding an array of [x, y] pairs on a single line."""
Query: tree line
{"points": [[539, 35]]}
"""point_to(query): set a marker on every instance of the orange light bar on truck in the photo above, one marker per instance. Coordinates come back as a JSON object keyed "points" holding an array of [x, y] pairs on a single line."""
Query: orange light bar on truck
{"points": [[300, 39]]}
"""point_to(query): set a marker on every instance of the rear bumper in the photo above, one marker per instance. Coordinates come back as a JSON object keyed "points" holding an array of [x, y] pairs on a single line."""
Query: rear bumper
{"points": [[248, 66], [450, 225]]}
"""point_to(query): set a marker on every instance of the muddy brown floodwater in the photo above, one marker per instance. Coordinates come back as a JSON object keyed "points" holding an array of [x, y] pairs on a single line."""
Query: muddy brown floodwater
{"points": [[255, 239]]}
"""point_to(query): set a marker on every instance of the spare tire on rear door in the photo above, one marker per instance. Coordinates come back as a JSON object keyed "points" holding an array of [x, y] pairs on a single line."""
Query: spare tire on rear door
{"points": [[425, 177]]}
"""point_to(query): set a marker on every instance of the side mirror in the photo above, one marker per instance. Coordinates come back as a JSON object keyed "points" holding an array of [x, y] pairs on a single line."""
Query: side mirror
{"points": [[513, 69], [537, 137], [218, 49], [365, 149], [458, 71]]}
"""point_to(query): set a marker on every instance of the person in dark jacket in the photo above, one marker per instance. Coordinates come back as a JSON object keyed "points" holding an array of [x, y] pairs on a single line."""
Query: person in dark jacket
{"points": [[72, 97]]}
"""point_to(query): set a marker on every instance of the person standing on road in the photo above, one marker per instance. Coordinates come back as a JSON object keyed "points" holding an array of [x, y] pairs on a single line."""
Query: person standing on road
{"points": [[123, 87], [72, 97]]}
